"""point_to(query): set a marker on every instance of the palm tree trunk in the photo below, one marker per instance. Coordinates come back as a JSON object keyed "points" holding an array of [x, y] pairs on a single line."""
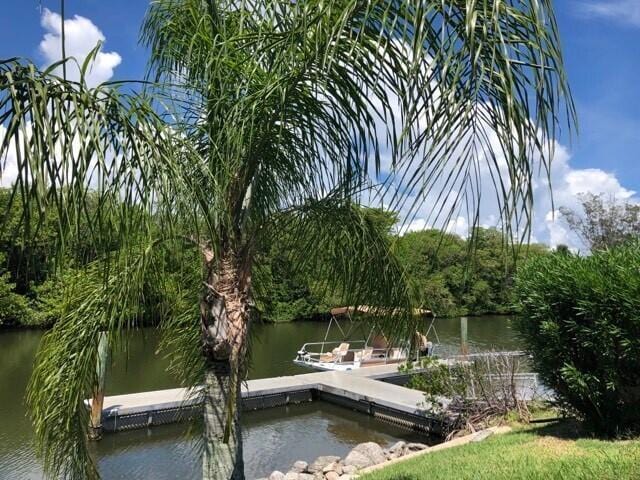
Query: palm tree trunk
{"points": [[222, 460], [225, 321]]}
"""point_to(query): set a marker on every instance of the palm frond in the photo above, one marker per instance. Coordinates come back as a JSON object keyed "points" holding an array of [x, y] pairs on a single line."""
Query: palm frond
{"points": [[69, 140], [349, 256], [297, 99], [100, 300]]}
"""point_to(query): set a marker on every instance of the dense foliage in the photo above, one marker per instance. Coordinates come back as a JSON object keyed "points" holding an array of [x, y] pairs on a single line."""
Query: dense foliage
{"points": [[24, 265], [580, 321], [451, 275], [455, 276], [283, 293], [34, 293], [14, 308], [449, 278]]}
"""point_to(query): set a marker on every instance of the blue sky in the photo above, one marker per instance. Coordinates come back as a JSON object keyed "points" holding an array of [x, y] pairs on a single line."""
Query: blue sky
{"points": [[600, 39]]}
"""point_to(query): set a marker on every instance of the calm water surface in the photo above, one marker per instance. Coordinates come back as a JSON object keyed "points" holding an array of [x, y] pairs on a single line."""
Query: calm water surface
{"points": [[273, 438]]}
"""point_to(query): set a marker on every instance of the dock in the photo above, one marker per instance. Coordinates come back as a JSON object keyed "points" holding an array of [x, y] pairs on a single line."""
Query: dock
{"points": [[375, 391], [372, 390]]}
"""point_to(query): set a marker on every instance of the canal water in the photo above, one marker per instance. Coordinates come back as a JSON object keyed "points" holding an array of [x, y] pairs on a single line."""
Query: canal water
{"points": [[273, 438]]}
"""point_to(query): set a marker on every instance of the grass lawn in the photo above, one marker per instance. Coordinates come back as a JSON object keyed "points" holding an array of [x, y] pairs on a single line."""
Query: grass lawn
{"points": [[550, 452]]}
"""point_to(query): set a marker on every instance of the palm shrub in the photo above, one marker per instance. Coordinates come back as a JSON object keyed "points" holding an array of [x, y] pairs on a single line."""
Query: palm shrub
{"points": [[581, 322]]}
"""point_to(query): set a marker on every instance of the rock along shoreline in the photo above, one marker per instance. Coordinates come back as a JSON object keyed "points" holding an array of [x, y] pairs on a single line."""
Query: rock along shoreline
{"points": [[331, 467]]}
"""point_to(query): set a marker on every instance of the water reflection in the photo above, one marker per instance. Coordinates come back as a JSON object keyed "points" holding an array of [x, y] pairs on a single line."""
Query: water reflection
{"points": [[17, 460], [165, 452], [307, 431], [274, 346], [273, 438]]}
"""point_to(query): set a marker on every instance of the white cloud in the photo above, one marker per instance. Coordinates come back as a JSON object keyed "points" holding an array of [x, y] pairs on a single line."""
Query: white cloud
{"points": [[429, 209], [547, 225], [622, 11], [596, 181], [82, 35], [8, 163], [568, 183], [557, 231], [459, 226], [414, 226], [444, 204]]}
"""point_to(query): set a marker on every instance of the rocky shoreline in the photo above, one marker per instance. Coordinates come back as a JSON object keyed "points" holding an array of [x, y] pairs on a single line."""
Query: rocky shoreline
{"points": [[330, 467]]}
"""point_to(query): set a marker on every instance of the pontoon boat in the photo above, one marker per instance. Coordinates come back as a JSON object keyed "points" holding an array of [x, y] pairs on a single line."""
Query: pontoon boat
{"points": [[349, 354]]}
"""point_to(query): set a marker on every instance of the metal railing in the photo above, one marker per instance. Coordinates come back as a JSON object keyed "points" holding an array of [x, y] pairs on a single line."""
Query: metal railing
{"points": [[337, 343], [374, 355], [511, 353], [311, 357]]}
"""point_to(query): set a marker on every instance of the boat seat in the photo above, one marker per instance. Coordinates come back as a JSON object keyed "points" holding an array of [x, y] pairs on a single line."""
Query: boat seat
{"points": [[336, 354], [363, 355], [380, 342], [348, 357]]}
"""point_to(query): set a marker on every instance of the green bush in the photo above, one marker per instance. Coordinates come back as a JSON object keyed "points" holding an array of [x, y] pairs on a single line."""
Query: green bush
{"points": [[581, 321], [440, 380], [14, 308], [47, 302]]}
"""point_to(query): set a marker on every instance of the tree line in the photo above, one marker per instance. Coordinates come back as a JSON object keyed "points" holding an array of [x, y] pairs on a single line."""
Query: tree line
{"points": [[446, 276], [35, 290], [451, 275]]}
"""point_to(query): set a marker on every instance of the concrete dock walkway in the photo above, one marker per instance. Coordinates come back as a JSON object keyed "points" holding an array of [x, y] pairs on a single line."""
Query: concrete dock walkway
{"points": [[366, 389]]}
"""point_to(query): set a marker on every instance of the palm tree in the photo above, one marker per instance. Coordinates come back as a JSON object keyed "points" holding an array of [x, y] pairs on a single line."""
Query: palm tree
{"points": [[268, 119]]}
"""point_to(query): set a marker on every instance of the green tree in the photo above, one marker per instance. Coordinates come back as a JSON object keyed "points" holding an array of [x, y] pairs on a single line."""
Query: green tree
{"points": [[263, 117], [603, 222], [455, 276], [29, 250], [28, 244], [282, 292], [14, 308], [286, 289], [435, 263]]}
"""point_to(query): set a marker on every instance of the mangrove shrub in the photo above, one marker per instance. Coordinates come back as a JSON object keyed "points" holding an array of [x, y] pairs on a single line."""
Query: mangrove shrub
{"points": [[581, 322]]}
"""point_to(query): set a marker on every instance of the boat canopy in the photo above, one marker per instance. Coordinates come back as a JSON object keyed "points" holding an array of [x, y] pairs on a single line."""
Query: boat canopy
{"points": [[370, 310], [347, 354]]}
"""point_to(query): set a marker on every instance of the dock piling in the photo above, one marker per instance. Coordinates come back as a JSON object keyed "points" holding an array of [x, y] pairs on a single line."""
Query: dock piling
{"points": [[97, 400]]}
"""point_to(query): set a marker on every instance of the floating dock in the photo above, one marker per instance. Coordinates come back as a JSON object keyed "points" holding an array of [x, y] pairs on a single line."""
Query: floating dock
{"points": [[372, 390], [376, 391]]}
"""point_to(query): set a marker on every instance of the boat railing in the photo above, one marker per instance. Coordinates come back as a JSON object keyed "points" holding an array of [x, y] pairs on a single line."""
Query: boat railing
{"points": [[309, 353], [306, 354], [490, 354]]}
